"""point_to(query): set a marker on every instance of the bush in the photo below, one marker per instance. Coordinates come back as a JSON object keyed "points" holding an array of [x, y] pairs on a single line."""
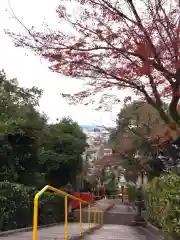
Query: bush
{"points": [[51, 208], [162, 198], [16, 206], [132, 193]]}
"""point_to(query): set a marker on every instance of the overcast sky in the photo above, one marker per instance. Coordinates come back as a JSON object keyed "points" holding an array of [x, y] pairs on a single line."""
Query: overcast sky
{"points": [[30, 70]]}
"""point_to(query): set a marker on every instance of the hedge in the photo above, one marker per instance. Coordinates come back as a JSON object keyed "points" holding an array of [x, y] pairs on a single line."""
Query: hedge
{"points": [[132, 192], [162, 199], [16, 206]]}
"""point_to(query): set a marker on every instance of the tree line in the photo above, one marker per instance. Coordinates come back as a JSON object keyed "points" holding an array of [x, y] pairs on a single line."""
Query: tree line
{"points": [[33, 153], [119, 46], [143, 142]]}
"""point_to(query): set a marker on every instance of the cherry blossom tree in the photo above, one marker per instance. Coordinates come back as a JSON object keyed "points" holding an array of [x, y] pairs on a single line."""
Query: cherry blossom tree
{"points": [[116, 44]]}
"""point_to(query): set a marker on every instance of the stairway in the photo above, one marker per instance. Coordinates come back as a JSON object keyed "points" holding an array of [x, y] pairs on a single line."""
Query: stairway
{"points": [[117, 225], [119, 214]]}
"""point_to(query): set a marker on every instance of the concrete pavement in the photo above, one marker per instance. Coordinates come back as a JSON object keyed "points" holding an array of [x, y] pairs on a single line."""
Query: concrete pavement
{"points": [[57, 232], [102, 204], [49, 233], [117, 232], [116, 226], [120, 214]]}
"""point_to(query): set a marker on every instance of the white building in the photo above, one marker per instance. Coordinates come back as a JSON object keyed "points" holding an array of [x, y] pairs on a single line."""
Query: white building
{"points": [[97, 138]]}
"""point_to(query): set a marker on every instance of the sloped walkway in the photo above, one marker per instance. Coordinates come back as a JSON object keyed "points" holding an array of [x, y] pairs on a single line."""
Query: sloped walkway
{"points": [[49, 233], [115, 227], [103, 204], [120, 214], [117, 232], [57, 232]]}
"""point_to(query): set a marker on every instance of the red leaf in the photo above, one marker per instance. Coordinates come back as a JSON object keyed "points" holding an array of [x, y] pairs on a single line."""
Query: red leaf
{"points": [[146, 69], [177, 64], [177, 93], [177, 30], [161, 81], [167, 89], [144, 50], [116, 17], [83, 54]]}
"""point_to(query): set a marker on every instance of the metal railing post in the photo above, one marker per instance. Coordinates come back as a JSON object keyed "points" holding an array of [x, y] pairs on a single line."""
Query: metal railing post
{"points": [[99, 220], [89, 218], [35, 218], [35, 214], [80, 219], [94, 216], [102, 218], [66, 218]]}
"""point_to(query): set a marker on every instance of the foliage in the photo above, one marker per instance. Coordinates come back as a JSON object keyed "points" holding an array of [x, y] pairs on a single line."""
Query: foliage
{"points": [[87, 186], [137, 123], [20, 127], [162, 197], [117, 45], [61, 151], [16, 206], [132, 192], [33, 153]]}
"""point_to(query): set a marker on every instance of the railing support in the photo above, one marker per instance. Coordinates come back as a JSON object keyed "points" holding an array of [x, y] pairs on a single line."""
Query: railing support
{"points": [[102, 217], [66, 218], [65, 195], [35, 216], [99, 220], [89, 218], [80, 219], [94, 217]]}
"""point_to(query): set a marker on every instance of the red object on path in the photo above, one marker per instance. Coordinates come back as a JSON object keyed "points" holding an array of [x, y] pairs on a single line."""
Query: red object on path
{"points": [[88, 197]]}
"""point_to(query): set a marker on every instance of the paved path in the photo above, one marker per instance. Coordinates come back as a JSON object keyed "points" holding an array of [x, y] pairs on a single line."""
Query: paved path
{"points": [[120, 214], [57, 232], [117, 232], [119, 208], [51, 233], [103, 205]]}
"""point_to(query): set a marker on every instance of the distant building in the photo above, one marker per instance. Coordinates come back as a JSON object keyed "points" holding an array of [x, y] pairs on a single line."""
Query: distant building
{"points": [[97, 139]]}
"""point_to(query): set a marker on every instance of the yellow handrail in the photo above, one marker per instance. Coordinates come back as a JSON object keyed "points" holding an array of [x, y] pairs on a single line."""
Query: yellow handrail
{"points": [[66, 195]]}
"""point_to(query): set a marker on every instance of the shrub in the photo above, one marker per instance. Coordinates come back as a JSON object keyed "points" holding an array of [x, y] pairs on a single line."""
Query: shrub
{"points": [[16, 206], [132, 192], [162, 198], [51, 208], [15, 210]]}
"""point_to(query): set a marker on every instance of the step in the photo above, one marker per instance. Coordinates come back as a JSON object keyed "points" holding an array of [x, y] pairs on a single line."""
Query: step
{"points": [[119, 218], [103, 205], [121, 214]]}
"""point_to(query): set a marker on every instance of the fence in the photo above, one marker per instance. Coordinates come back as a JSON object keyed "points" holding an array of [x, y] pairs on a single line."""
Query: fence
{"points": [[122, 197], [66, 196]]}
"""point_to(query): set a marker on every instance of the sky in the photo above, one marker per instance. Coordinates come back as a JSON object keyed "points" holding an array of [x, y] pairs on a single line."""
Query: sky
{"points": [[31, 70]]}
